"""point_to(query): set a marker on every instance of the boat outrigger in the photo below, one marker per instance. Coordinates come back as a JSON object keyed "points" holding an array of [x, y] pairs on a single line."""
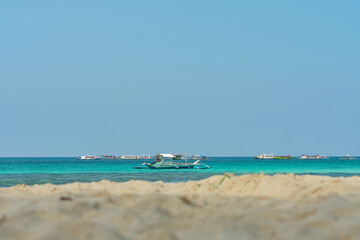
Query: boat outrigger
{"points": [[169, 161]]}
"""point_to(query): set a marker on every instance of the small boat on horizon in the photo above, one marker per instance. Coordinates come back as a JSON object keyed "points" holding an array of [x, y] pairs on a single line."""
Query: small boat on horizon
{"points": [[272, 156], [284, 157], [348, 157], [265, 156], [125, 157], [199, 157], [313, 156], [88, 157], [109, 157]]}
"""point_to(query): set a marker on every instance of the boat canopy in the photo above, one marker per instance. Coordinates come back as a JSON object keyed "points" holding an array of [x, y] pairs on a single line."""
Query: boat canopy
{"points": [[167, 155]]}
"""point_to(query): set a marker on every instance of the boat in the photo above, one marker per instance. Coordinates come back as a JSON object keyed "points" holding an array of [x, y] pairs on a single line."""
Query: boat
{"points": [[265, 156], [170, 161], [136, 157], [312, 157], [88, 157], [284, 157], [199, 157], [348, 157], [125, 157], [112, 157]]}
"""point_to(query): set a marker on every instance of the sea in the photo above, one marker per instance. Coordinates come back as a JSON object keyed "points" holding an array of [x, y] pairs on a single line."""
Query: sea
{"points": [[60, 170]]}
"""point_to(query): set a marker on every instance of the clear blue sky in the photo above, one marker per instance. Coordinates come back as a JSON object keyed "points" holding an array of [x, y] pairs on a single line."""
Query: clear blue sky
{"points": [[211, 77]]}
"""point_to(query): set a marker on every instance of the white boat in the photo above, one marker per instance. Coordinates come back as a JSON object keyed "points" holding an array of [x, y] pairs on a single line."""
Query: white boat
{"points": [[265, 156], [312, 157], [88, 157]]}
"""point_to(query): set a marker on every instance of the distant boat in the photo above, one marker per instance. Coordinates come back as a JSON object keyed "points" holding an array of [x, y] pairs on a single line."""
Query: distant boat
{"points": [[284, 157], [265, 156], [132, 157], [312, 157], [199, 157], [347, 157], [125, 157], [109, 157], [88, 157], [169, 161]]}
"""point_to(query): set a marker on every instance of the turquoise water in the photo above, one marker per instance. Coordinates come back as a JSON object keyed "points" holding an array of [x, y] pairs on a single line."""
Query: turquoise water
{"points": [[65, 170]]}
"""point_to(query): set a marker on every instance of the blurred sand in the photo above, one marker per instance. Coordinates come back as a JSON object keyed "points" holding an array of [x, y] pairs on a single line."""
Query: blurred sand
{"points": [[220, 207]]}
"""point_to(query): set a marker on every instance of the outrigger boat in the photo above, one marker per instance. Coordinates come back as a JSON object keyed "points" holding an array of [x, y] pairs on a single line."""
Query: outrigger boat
{"points": [[169, 161]]}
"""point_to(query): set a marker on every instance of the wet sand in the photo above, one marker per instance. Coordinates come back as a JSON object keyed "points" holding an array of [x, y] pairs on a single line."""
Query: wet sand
{"points": [[220, 207]]}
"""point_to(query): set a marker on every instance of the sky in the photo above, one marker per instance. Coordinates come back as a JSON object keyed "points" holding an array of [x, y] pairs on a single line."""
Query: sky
{"points": [[220, 78]]}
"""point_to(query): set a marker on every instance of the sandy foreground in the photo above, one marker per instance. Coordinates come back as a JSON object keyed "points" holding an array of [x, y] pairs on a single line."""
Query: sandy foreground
{"points": [[220, 207]]}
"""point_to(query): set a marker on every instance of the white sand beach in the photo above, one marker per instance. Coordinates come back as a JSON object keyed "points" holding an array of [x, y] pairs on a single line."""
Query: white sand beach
{"points": [[220, 207]]}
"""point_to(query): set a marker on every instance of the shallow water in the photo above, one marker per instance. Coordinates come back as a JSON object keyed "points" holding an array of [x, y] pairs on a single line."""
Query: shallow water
{"points": [[66, 170]]}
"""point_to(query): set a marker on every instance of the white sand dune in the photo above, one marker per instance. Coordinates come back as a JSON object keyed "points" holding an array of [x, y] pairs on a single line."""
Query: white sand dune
{"points": [[220, 207]]}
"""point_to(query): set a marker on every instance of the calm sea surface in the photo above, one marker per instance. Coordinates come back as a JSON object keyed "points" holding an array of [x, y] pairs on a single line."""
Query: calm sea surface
{"points": [[66, 170]]}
